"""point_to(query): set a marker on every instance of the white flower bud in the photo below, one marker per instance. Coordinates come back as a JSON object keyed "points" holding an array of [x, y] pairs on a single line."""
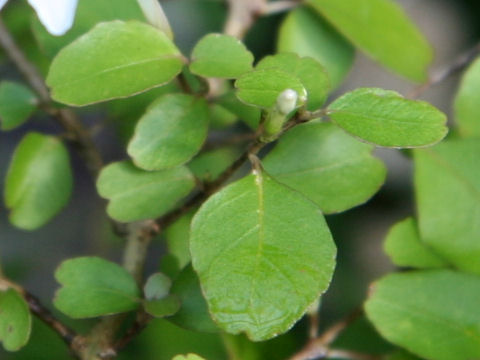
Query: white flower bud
{"points": [[56, 15], [286, 101]]}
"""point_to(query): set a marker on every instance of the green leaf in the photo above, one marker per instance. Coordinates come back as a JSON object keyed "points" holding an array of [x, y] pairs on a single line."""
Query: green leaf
{"points": [[210, 164], [88, 14], [193, 314], [17, 103], [160, 308], [307, 34], [15, 320], [251, 244], [309, 71], [220, 56], [447, 186], [326, 165], [385, 118], [248, 114], [177, 236], [262, 87], [115, 59], [188, 357], [136, 194], [405, 248], [220, 117], [467, 113], [170, 133], [39, 181], [381, 29], [431, 313], [157, 286], [92, 286]]}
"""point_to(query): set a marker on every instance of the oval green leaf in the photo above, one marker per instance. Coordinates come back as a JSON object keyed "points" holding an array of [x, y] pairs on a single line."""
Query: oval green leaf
{"points": [[92, 286], [326, 165], [170, 133], [17, 104], [381, 29], [309, 71], [160, 308], [254, 242], [15, 320], [220, 56], [115, 59], [188, 357], [39, 181], [136, 194], [439, 322], [307, 34], [385, 118], [467, 112], [262, 87]]}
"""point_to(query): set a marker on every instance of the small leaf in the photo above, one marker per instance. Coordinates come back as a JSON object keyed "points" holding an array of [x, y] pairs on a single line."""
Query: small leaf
{"points": [[136, 194], [326, 165], [252, 243], [309, 71], [177, 236], [381, 29], [467, 113], [193, 314], [188, 357], [160, 308], [262, 87], [447, 186], [220, 56], [307, 34], [248, 114], [157, 286], [405, 248], [385, 118], [220, 117], [210, 164], [17, 103], [92, 287], [15, 320], [39, 181], [115, 59], [170, 133], [432, 313]]}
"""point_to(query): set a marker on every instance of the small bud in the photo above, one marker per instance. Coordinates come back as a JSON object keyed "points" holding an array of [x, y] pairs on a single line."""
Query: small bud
{"points": [[286, 101]]}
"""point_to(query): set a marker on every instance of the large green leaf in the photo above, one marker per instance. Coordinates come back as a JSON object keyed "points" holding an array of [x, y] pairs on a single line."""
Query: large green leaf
{"points": [[92, 286], [39, 181], [136, 194], [385, 118], [15, 320], [431, 313], [405, 248], [307, 34], [115, 59], [220, 56], [17, 103], [447, 183], [170, 133], [328, 166], [263, 254], [383, 31], [467, 112], [309, 71]]}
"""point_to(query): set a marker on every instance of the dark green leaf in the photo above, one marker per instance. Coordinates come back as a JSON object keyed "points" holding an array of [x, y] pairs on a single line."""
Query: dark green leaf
{"points": [[248, 114], [15, 320], [160, 308], [17, 103], [178, 235], [209, 165]]}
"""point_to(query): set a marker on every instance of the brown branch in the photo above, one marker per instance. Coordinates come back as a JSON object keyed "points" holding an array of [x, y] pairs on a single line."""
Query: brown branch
{"points": [[458, 65], [242, 15]]}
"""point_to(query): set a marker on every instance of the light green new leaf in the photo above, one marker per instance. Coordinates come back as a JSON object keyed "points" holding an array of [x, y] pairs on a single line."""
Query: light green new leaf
{"points": [[307, 34], [327, 166], [262, 87], [115, 59], [381, 29], [188, 357], [160, 308], [467, 112], [39, 181], [220, 56], [157, 286], [385, 118], [309, 71], [447, 186], [136, 194], [92, 286], [15, 320], [17, 103], [405, 248], [432, 313], [254, 242], [170, 133]]}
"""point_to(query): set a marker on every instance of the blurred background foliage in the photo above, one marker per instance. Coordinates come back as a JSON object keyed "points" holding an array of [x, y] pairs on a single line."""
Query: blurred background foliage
{"points": [[30, 258]]}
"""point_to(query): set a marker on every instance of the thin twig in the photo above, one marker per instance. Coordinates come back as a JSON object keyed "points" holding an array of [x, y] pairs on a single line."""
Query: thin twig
{"points": [[242, 15], [348, 354]]}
